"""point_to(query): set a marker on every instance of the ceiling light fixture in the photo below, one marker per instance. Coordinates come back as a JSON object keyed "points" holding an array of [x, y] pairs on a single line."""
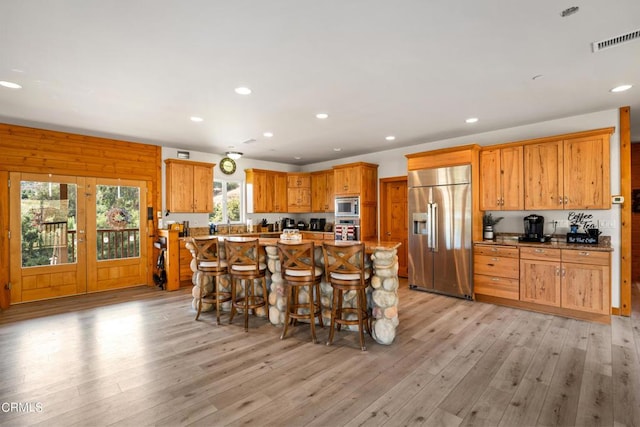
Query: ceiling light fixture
{"points": [[10, 85], [322, 116], [471, 120], [196, 119], [297, 157], [235, 155], [243, 90], [390, 138], [268, 134], [337, 149], [621, 88]]}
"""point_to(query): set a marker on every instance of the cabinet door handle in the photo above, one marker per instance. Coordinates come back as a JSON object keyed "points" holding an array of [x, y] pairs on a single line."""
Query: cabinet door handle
{"points": [[557, 271], [566, 200], [583, 253], [539, 251], [495, 279], [498, 202], [560, 200], [495, 259], [494, 249]]}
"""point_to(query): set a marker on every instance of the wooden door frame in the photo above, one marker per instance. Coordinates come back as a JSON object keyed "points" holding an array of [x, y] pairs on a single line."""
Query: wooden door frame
{"points": [[626, 242], [5, 291], [384, 206]]}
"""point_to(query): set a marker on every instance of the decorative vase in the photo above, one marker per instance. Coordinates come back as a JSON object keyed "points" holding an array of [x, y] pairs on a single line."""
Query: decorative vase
{"points": [[488, 232]]}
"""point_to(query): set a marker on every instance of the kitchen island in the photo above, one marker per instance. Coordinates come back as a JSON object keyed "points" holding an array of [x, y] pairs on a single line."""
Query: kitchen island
{"points": [[382, 295]]}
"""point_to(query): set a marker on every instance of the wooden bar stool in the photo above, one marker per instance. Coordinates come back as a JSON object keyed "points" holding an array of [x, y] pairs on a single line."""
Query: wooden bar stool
{"points": [[299, 271], [344, 266], [208, 262], [243, 258]]}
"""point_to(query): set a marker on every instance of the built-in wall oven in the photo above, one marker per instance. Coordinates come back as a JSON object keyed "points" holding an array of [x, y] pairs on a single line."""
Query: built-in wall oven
{"points": [[347, 218]]}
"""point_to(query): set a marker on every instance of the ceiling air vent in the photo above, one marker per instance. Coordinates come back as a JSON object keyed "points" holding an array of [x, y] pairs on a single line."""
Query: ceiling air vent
{"points": [[615, 41]]}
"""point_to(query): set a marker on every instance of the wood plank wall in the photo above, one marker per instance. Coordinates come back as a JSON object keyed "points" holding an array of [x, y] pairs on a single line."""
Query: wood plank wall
{"points": [[635, 216], [42, 151]]}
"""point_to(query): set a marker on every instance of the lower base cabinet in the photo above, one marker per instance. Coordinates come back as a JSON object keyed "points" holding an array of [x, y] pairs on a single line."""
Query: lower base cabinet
{"points": [[586, 281], [573, 282], [540, 276]]}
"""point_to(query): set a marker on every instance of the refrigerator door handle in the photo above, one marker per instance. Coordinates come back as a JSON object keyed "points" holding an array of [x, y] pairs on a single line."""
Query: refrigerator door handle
{"points": [[434, 227], [429, 226]]}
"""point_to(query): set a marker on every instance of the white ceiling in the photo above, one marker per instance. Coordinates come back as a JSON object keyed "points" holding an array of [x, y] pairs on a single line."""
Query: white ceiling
{"points": [[139, 69]]}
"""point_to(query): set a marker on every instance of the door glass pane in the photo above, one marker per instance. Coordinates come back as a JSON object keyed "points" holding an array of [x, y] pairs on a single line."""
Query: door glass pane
{"points": [[48, 218], [117, 222]]}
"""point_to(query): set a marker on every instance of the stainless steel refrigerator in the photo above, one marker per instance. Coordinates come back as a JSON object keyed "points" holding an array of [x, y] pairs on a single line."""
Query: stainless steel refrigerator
{"points": [[440, 230]]}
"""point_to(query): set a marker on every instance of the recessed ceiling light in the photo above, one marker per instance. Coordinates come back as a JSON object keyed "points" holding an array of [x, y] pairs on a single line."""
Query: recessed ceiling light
{"points": [[297, 157], [10, 85], [337, 149], [243, 90], [322, 116], [390, 138], [268, 134], [621, 88], [471, 120], [196, 119]]}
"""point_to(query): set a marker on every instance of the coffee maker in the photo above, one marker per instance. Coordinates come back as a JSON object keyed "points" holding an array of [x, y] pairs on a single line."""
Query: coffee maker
{"points": [[534, 229]]}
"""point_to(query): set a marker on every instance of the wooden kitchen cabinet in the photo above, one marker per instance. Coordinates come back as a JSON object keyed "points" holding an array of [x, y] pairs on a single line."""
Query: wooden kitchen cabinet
{"points": [[568, 173], [501, 178], [496, 271], [299, 192], [540, 276], [357, 179], [266, 191], [189, 186], [322, 191], [586, 281], [360, 179]]}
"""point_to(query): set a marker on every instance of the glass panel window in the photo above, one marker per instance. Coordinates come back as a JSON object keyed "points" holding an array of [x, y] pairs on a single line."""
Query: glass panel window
{"points": [[227, 202], [48, 217], [117, 222]]}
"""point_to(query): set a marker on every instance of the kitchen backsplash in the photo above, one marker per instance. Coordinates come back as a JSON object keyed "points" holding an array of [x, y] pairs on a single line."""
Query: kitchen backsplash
{"points": [[601, 219]]}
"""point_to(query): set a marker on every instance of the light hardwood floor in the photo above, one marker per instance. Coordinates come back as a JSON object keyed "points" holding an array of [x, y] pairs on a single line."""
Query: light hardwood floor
{"points": [[137, 357]]}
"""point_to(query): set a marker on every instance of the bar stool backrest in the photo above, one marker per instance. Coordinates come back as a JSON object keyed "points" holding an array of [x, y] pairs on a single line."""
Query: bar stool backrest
{"points": [[207, 254], [244, 256], [297, 260], [344, 261]]}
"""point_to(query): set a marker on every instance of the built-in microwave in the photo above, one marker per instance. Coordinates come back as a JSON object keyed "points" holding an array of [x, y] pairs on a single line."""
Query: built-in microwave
{"points": [[347, 206]]}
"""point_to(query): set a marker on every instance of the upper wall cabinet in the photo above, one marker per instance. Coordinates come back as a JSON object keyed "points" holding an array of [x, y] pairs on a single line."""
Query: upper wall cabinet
{"points": [[299, 192], [568, 173], [357, 179], [189, 186], [501, 179], [322, 191], [266, 191]]}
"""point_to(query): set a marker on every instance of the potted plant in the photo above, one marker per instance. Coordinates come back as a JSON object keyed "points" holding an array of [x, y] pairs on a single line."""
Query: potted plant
{"points": [[488, 222]]}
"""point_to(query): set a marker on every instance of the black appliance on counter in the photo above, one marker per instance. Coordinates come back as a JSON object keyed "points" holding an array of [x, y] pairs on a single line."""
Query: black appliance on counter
{"points": [[317, 224], [534, 229], [302, 225], [289, 223]]}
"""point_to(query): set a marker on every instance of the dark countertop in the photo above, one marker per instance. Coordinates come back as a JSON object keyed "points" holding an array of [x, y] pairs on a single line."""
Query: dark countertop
{"points": [[557, 242]]}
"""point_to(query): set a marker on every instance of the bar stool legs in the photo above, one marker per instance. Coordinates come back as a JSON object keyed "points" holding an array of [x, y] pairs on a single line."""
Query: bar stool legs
{"points": [[338, 313]]}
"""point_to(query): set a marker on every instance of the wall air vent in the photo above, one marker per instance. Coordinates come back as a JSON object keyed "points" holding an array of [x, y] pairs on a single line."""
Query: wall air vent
{"points": [[615, 41]]}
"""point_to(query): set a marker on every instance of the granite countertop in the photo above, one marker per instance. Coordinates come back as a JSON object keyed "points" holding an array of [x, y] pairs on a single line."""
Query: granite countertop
{"points": [[557, 242]]}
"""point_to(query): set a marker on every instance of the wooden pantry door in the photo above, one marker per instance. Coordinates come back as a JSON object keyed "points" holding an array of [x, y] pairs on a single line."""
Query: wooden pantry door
{"points": [[394, 216]]}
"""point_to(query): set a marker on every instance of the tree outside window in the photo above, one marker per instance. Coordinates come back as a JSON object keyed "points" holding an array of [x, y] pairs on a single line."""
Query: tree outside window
{"points": [[227, 202]]}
